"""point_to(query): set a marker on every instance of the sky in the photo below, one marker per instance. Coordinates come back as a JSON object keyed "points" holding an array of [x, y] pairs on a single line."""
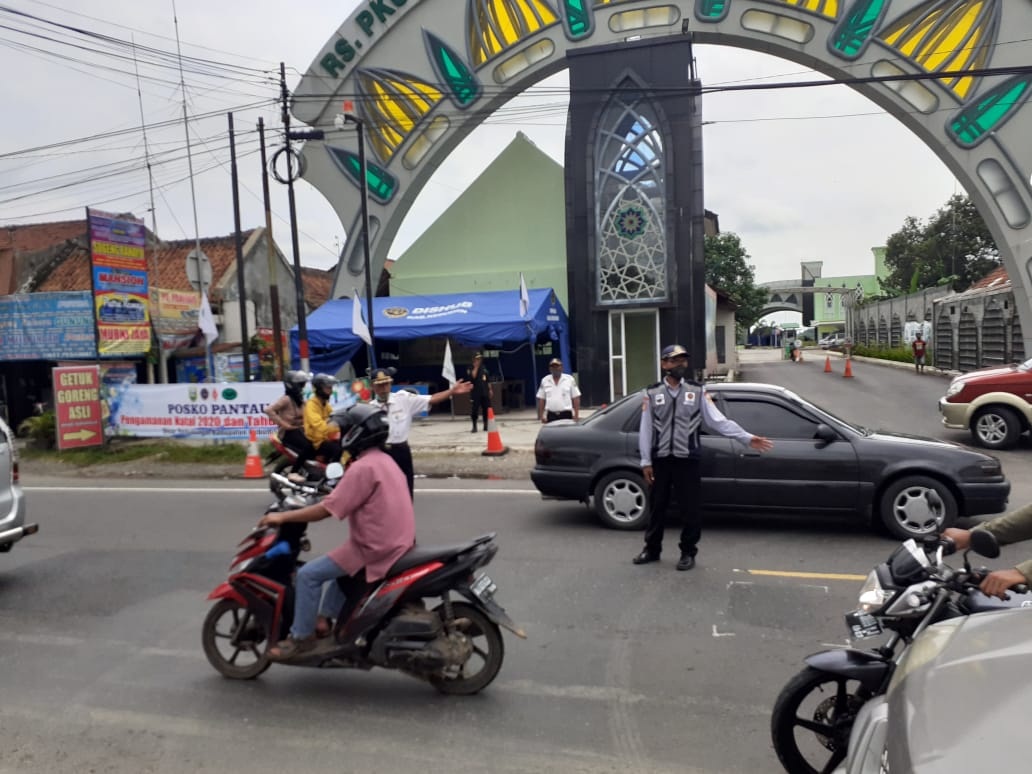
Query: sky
{"points": [[799, 174]]}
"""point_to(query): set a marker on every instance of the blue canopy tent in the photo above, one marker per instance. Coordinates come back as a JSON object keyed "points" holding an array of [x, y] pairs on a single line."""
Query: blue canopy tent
{"points": [[488, 319]]}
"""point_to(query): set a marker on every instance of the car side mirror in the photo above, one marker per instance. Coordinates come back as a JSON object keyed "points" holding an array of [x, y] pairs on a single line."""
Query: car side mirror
{"points": [[984, 543], [825, 434]]}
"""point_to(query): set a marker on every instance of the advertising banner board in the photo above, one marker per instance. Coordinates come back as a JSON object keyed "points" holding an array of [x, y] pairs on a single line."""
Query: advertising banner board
{"points": [[120, 291], [47, 326], [77, 406]]}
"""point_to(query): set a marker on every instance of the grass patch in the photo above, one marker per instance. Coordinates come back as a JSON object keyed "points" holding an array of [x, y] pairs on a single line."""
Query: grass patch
{"points": [[117, 451], [900, 354]]}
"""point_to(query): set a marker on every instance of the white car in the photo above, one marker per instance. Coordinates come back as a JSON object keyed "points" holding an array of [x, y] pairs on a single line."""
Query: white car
{"points": [[12, 499], [834, 340]]}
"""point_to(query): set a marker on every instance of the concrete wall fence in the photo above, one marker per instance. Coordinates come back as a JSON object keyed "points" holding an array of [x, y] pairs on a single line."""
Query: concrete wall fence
{"points": [[976, 329]]}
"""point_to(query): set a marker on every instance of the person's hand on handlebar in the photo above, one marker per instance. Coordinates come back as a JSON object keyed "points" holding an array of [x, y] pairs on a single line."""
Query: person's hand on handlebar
{"points": [[996, 583], [960, 537]]}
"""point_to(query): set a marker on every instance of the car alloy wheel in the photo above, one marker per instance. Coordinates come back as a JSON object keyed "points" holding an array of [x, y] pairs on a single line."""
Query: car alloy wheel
{"points": [[621, 500], [917, 506], [996, 428]]}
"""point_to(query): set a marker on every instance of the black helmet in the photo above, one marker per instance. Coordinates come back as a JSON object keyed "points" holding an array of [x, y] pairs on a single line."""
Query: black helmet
{"points": [[323, 380], [362, 427], [294, 383]]}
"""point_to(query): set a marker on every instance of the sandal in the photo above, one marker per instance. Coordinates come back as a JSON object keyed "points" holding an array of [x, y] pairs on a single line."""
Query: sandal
{"points": [[290, 648], [323, 627]]}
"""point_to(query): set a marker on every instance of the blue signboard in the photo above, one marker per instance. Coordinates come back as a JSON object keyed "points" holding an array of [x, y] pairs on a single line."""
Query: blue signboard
{"points": [[47, 326]]}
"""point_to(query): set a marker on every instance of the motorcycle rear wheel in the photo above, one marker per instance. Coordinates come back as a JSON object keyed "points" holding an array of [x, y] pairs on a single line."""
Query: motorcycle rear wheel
{"points": [[488, 653], [812, 720], [225, 619]]}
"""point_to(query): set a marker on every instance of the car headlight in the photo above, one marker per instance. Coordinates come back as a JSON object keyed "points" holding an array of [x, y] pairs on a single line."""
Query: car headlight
{"points": [[926, 648], [872, 596], [954, 388]]}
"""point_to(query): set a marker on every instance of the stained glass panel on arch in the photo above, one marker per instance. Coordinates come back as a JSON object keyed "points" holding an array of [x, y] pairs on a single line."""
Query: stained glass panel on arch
{"points": [[630, 199]]}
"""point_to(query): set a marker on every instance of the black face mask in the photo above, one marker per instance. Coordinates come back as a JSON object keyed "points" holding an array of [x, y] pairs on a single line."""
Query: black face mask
{"points": [[676, 372]]}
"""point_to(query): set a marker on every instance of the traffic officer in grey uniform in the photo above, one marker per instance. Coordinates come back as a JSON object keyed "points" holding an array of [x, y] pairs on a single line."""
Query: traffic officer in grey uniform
{"points": [[673, 411]]}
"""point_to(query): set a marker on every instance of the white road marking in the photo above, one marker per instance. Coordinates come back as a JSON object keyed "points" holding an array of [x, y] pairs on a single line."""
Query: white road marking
{"points": [[721, 634]]}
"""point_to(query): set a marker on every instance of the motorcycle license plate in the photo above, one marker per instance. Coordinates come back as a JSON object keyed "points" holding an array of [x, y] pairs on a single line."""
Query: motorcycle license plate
{"points": [[484, 588], [861, 625]]}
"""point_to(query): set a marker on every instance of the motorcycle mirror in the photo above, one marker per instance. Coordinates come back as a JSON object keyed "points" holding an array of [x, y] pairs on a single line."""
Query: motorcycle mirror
{"points": [[334, 470], [984, 543]]}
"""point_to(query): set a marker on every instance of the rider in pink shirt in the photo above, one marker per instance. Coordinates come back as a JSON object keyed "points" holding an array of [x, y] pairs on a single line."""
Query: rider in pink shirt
{"points": [[373, 497]]}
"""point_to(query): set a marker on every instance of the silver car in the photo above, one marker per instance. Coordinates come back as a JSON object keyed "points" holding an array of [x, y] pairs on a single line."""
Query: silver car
{"points": [[12, 499], [957, 702]]}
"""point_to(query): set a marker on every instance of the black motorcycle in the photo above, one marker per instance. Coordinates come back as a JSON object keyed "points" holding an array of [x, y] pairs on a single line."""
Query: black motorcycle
{"points": [[814, 713]]}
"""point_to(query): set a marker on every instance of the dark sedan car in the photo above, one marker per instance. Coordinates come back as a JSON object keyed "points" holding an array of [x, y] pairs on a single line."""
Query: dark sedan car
{"points": [[819, 464]]}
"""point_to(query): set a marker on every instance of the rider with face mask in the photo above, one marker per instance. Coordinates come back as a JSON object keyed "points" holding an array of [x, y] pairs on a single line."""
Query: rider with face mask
{"points": [[318, 429], [288, 414], [672, 414]]}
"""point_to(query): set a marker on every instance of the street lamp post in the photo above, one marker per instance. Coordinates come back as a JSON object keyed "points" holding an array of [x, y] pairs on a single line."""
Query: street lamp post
{"points": [[351, 118]]}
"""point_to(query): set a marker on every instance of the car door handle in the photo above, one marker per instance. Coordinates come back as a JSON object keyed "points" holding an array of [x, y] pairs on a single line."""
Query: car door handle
{"points": [[749, 454]]}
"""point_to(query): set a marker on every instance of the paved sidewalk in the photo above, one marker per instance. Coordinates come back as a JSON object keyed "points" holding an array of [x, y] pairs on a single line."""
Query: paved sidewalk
{"points": [[441, 432]]}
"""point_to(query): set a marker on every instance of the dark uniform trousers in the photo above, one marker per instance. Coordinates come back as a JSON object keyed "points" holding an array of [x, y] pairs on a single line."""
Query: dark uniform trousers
{"points": [[402, 454], [678, 476]]}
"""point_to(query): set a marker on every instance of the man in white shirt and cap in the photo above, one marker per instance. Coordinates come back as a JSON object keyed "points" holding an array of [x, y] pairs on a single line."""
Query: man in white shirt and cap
{"points": [[401, 407], [558, 396]]}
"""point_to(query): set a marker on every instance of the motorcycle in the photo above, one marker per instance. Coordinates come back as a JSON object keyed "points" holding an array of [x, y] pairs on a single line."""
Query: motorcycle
{"points": [[283, 457], [456, 645], [913, 589]]}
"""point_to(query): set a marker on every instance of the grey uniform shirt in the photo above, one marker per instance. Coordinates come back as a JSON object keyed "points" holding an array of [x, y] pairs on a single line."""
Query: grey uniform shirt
{"points": [[711, 418]]}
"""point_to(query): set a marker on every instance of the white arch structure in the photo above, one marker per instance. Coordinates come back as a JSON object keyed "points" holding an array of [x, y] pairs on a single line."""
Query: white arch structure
{"points": [[424, 73]]}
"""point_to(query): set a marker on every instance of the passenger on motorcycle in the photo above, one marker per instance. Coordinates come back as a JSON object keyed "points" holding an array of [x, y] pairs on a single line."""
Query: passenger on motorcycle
{"points": [[381, 522], [288, 414], [1009, 528], [318, 429]]}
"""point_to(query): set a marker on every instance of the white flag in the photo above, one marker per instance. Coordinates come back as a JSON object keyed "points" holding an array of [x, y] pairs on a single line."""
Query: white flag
{"points": [[524, 297], [448, 369], [358, 326], [206, 320]]}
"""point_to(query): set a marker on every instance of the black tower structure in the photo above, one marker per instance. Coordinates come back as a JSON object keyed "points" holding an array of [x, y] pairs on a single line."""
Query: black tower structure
{"points": [[634, 210]]}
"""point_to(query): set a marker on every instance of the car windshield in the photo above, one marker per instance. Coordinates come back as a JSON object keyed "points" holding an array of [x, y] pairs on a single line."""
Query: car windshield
{"points": [[1026, 366], [820, 410]]}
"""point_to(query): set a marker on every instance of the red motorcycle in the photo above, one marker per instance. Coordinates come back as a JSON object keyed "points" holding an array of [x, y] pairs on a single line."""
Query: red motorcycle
{"points": [[456, 645]]}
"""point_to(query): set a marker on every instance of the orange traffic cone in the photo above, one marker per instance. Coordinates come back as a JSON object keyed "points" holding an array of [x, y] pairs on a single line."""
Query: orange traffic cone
{"points": [[827, 364], [253, 466], [849, 369], [495, 447]]}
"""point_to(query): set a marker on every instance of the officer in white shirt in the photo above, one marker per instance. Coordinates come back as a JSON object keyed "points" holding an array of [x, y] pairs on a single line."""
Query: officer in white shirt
{"points": [[558, 396], [401, 407]]}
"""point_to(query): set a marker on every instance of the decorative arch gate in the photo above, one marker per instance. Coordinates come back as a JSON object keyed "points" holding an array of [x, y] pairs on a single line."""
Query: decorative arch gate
{"points": [[422, 74]]}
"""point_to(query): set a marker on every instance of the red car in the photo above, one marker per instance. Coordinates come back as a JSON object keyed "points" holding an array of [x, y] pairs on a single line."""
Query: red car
{"points": [[995, 404]]}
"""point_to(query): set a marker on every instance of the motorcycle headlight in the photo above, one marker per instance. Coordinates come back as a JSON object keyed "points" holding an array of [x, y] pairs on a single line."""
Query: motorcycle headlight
{"points": [[241, 566], [954, 388], [872, 596]]}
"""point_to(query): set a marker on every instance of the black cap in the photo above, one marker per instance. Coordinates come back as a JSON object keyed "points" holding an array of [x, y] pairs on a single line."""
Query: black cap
{"points": [[381, 376], [672, 351]]}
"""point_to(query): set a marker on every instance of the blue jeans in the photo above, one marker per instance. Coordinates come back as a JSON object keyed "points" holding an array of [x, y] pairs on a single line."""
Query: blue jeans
{"points": [[311, 579]]}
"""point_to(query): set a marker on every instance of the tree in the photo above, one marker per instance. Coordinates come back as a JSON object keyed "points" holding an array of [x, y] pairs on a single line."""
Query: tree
{"points": [[953, 247], [728, 270]]}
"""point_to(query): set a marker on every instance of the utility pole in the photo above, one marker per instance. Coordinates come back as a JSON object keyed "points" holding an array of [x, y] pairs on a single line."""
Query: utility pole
{"points": [[302, 325], [351, 118], [270, 249], [245, 350]]}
